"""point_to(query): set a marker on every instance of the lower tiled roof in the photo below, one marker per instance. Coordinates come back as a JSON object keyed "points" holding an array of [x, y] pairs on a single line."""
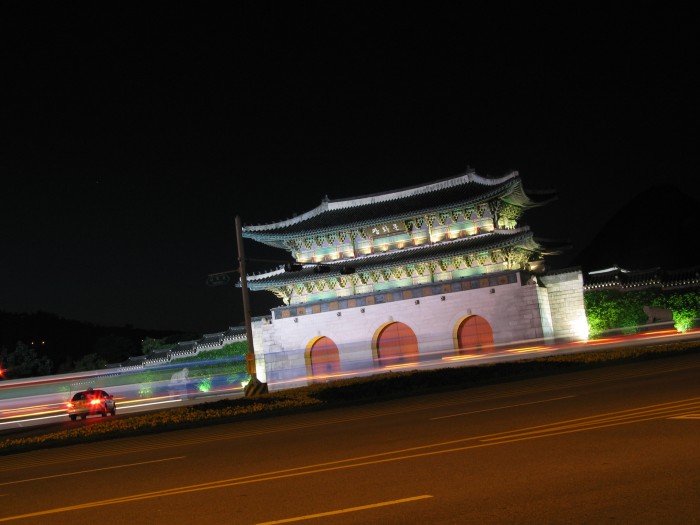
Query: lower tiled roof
{"points": [[521, 237]]}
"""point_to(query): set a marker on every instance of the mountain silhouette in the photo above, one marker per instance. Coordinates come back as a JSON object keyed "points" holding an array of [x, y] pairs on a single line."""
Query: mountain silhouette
{"points": [[656, 229]]}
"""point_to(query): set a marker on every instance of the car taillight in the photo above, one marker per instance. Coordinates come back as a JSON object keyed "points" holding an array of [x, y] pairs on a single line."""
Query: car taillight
{"points": [[69, 405], [95, 401]]}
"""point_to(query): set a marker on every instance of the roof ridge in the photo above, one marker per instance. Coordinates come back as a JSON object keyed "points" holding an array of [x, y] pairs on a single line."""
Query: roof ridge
{"points": [[420, 189]]}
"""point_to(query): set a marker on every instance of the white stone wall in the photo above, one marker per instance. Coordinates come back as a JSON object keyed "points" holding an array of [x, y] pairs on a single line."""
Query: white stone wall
{"points": [[517, 312], [545, 312], [565, 291]]}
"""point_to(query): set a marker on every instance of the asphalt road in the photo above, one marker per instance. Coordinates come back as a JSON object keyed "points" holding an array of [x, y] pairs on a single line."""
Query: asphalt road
{"points": [[617, 445]]}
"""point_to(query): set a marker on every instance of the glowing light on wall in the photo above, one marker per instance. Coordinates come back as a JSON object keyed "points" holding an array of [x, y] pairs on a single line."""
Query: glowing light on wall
{"points": [[580, 327]]}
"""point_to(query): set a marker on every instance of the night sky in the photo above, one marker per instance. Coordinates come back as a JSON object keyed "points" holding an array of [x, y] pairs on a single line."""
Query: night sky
{"points": [[132, 138]]}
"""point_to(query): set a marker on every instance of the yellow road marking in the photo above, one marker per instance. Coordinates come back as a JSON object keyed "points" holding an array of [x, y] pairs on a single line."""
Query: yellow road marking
{"points": [[343, 511], [624, 417], [687, 416]]}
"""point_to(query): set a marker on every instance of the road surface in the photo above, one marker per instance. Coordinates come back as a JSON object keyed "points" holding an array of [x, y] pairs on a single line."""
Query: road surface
{"points": [[613, 445]]}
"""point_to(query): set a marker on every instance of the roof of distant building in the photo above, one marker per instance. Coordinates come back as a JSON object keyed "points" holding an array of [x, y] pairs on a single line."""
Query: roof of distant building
{"points": [[627, 280]]}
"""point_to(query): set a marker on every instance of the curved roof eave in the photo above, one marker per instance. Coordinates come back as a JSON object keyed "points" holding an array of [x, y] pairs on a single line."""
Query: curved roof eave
{"points": [[334, 215], [378, 198]]}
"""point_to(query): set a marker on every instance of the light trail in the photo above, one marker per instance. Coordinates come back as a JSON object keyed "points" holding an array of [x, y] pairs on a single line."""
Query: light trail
{"points": [[14, 411]]}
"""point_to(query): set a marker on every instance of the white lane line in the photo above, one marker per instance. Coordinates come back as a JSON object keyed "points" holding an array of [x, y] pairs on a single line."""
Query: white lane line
{"points": [[501, 408], [92, 470]]}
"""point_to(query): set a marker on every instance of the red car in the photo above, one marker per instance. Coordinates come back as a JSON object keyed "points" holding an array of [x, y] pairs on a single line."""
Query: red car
{"points": [[91, 402]]}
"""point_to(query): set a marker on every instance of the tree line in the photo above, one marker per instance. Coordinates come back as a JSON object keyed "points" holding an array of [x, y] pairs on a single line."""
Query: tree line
{"points": [[40, 343]]}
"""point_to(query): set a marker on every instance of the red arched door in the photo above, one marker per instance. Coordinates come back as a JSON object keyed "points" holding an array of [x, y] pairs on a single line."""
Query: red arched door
{"points": [[325, 358], [397, 345], [475, 336]]}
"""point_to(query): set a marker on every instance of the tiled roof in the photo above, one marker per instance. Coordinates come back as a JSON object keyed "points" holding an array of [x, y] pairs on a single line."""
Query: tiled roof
{"points": [[621, 279], [135, 360], [185, 345], [210, 338], [490, 241], [235, 331], [455, 192]]}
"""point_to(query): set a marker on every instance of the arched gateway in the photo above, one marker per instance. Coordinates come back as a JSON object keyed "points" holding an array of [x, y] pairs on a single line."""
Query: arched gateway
{"points": [[474, 336], [323, 359], [396, 344]]}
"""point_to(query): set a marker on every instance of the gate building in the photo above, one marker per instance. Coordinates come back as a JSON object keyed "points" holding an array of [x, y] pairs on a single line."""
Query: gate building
{"points": [[425, 275]]}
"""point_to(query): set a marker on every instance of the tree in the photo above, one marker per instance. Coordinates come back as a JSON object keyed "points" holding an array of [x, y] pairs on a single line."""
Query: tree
{"points": [[115, 348], [604, 310], [89, 362], [624, 311], [25, 362], [685, 307], [150, 344]]}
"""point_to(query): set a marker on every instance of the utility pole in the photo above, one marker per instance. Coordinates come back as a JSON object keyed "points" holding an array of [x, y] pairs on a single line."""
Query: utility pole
{"points": [[254, 386]]}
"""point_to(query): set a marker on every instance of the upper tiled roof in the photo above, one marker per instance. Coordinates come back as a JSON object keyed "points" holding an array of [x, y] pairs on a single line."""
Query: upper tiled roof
{"points": [[358, 212], [522, 237]]}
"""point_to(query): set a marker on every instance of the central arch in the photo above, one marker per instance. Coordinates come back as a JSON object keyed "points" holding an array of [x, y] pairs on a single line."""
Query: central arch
{"points": [[396, 344], [474, 335]]}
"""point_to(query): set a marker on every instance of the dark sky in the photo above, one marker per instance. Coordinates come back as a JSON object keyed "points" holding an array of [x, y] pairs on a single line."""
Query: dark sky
{"points": [[133, 137]]}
